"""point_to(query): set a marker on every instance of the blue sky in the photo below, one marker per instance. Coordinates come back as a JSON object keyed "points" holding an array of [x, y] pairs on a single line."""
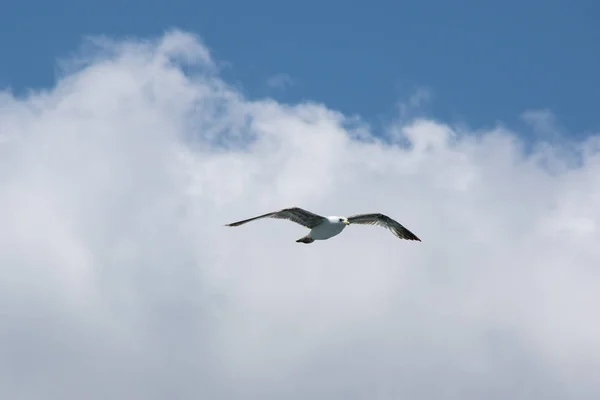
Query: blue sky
{"points": [[483, 63]]}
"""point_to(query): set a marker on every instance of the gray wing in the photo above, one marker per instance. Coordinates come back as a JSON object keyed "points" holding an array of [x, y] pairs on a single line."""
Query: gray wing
{"points": [[294, 214], [384, 221]]}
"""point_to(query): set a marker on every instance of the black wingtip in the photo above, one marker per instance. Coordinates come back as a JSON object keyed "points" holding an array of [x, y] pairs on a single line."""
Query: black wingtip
{"points": [[415, 238], [408, 235]]}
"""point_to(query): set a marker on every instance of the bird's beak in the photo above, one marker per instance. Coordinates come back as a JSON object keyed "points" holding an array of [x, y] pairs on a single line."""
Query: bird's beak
{"points": [[347, 222]]}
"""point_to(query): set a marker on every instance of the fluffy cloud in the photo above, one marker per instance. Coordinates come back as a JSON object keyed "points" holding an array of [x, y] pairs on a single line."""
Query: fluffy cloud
{"points": [[118, 279]]}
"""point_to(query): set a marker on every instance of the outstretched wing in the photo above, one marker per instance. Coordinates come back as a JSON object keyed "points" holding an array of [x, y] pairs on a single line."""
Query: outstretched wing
{"points": [[294, 214], [384, 221]]}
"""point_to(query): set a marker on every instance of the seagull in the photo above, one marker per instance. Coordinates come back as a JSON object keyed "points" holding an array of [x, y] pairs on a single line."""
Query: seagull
{"points": [[323, 228]]}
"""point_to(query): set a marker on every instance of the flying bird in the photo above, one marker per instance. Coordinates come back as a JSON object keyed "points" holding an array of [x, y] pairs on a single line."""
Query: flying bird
{"points": [[323, 228]]}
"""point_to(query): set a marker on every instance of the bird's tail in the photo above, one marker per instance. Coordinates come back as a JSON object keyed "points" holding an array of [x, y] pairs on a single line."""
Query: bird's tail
{"points": [[305, 240]]}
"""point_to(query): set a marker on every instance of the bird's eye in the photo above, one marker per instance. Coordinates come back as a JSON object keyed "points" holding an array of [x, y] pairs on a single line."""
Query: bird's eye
{"points": [[341, 219]]}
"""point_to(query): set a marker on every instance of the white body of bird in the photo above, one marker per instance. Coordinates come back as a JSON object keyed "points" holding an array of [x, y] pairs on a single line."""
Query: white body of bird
{"points": [[329, 228]]}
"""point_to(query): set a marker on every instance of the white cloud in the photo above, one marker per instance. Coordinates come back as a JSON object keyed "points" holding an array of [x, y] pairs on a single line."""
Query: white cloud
{"points": [[118, 279], [420, 96], [543, 122]]}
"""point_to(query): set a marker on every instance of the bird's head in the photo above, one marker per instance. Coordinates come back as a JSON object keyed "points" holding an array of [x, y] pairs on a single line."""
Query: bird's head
{"points": [[338, 220]]}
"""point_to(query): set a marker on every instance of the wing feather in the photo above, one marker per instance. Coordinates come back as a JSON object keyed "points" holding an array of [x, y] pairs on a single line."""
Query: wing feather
{"points": [[294, 214], [384, 221]]}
